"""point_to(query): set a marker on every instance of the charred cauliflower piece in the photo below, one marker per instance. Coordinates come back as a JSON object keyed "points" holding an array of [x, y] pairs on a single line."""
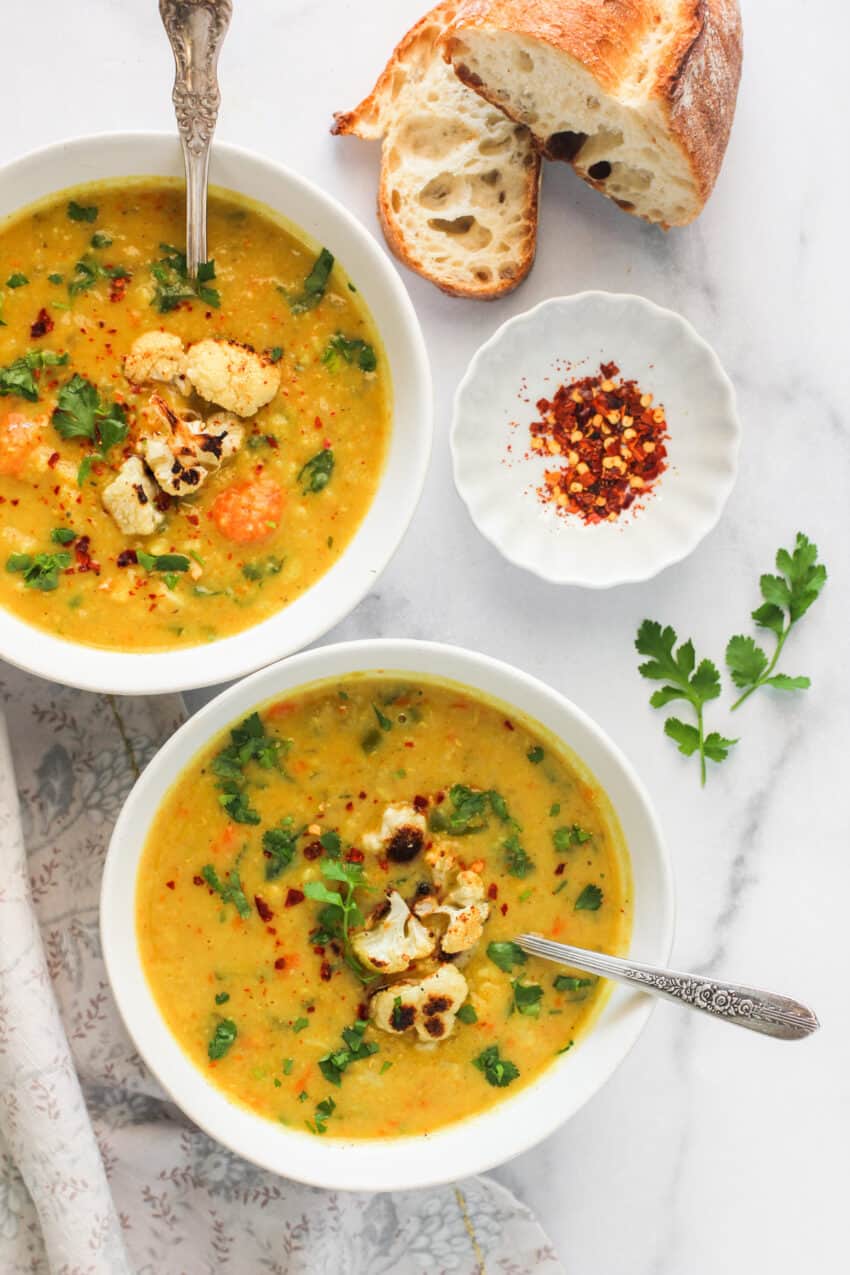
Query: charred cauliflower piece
{"points": [[401, 836], [181, 459], [429, 1006], [129, 499], [156, 356], [231, 375], [395, 940], [466, 909]]}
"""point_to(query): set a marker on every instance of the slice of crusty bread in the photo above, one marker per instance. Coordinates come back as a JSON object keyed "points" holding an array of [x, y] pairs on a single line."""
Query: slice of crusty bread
{"points": [[459, 180], [638, 95]]}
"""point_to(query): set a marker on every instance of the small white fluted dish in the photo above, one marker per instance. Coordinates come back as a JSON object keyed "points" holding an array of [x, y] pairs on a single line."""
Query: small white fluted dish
{"points": [[527, 359]]}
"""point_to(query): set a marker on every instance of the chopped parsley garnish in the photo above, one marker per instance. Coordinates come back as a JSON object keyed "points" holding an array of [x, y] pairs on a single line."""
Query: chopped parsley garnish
{"points": [[300, 1024], [172, 284], [590, 899], [333, 1065], [222, 1038], [467, 1014], [506, 955], [351, 878], [17, 378], [288, 1064], [554, 809], [82, 212], [162, 561], [576, 988], [351, 350], [230, 892], [535, 755], [82, 413], [222, 998], [248, 743], [260, 569], [315, 475], [565, 838], [787, 598], [470, 812], [331, 843], [17, 280], [41, 571], [383, 721], [87, 272], [497, 1071], [275, 353], [62, 535], [526, 998], [323, 1113], [100, 240], [55, 278], [315, 284], [518, 862], [279, 845]]}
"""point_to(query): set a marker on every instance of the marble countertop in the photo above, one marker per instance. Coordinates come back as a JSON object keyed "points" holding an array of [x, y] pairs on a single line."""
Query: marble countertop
{"points": [[711, 1149]]}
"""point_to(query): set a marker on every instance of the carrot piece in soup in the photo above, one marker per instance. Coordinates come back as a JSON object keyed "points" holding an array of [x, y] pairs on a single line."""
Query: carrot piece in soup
{"points": [[248, 512]]}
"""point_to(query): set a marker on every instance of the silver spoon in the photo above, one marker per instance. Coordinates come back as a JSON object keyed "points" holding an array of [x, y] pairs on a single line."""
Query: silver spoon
{"points": [[196, 30], [733, 1002]]}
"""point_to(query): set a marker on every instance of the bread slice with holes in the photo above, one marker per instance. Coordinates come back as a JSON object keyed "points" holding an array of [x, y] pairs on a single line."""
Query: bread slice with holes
{"points": [[459, 180], [639, 95]]}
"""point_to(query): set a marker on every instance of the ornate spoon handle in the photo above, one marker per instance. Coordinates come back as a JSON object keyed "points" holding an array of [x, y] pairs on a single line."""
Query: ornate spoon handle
{"points": [[196, 29], [735, 1003]]}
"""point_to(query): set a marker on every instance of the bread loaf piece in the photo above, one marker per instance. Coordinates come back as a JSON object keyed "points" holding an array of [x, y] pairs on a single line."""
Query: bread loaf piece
{"points": [[638, 95], [459, 180]]}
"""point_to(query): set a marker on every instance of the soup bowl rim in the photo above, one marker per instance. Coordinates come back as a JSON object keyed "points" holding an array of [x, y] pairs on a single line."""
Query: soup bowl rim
{"points": [[481, 1141], [74, 162]]}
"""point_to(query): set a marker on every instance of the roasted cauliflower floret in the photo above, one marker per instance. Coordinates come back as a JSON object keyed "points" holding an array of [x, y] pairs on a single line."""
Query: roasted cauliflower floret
{"points": [[181, 458], [129, 499], [156, 356], [401, 835], [231, 375], [430, 1006], [466, 909], [395, 940]]}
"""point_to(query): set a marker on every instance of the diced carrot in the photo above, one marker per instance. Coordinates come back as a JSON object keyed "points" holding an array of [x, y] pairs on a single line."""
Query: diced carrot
{"points": [[557, 926], [282, 708], [225, 840], [248, 512]]}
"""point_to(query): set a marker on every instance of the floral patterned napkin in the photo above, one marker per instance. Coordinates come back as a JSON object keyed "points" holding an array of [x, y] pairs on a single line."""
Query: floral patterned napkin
{"points": [[99, 1173]]}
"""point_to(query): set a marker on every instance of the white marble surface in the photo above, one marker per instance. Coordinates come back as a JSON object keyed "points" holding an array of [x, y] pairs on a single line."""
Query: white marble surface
{"points": [[711, 1150]]}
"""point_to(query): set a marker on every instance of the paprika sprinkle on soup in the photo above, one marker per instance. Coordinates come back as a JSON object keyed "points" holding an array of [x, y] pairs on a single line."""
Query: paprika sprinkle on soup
{"points": [[608, 441]]}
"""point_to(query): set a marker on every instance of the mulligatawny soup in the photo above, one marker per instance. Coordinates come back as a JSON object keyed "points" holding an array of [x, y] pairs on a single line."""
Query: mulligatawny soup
{"points": [[328, 898], [179, 459]]}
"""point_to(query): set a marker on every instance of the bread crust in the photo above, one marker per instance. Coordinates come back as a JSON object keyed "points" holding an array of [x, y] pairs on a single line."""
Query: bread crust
{"points": [[694, 82], [424, 41]]}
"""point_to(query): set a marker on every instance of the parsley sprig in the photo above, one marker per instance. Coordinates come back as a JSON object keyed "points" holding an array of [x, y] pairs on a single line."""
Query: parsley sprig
{"points": [[787, 598], [81, 412], [683, 679], [351, 878], [352, 350], [315, 285], [333, 1065], [248, 743], [172, 284], [497, 1071], [19, 377], [230, 891]]}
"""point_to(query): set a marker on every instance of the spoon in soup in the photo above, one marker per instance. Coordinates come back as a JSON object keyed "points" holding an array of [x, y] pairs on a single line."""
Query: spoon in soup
{"points": [[196, 30], [764, 1012]]}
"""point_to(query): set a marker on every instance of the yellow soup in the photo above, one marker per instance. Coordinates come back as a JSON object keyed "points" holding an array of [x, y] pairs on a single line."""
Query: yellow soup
{"points": [[177, 461], [328, 897]]}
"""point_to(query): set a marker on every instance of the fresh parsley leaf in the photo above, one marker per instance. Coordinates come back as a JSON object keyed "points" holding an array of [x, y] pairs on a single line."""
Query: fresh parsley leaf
{"points": [[497, 1071], [100, 240], [62, 535], [506, 954], [18, 377], [172, 284], [275, 353], [471, 808], [279, 845], [222, 1038], [590, 899], [518, 862], [39, 572], [331, 843], [82, 212], [222, 998], [315, 284], [323, 1113], [684, 679], [248, 743], [229, 892], [55, 278], [351, 350], [300, 1024], [383, 721], [535, 755], [526, 998], [81, 412], [162, 561], [350, 876], [17, 280], [333, 1065], [565, 838], [260, 569], [467, 1014], [575, 989], [787, 598], [315, 475]]}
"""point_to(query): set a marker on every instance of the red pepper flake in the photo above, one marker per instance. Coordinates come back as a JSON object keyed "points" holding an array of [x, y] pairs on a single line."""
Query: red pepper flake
{"points": [[127, 558], [270, 929], [559, 871], [263, 908], [325, 971], [349, 805], [119, 287], [85, 562], [314, 850], [363, 1011], [280, 963], [170, 885], [420, 804], [319, 950], [42, 325], [440, 798], [354, 855], [293, 897], [492, 891], [362, 796], [504, 909], [384, 865], [53, 460], [508, 725], [609, 443], [196, 880]]}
